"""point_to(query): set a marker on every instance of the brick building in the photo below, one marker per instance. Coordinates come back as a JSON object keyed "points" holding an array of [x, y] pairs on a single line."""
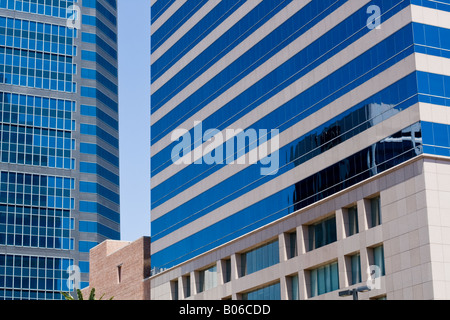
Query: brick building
{"points": [[120, 269]]}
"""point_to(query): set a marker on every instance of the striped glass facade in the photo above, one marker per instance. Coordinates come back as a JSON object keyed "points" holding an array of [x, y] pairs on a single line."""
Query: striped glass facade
{"points": [[59, 189], [324, 73]]}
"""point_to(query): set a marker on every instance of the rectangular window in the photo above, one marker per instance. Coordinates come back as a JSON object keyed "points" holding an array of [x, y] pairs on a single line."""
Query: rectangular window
{"points": [[271, 292], [226, 270], [187, 286], [324, 279], [208, 279], [378, 259], [322, 233], [119, 274], [85, 246], [174, 289], [293, 287], [35, 274], [260, 258], [353, 227], [356, 268], [375, 211], [292, 250]]}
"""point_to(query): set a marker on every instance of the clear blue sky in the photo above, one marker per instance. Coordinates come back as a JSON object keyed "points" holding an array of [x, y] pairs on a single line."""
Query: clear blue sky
{"points": [[134, 117]]}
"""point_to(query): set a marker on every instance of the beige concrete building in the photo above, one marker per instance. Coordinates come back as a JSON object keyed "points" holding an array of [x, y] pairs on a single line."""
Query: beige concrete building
{"points": [[120, 269], [413, 234]]}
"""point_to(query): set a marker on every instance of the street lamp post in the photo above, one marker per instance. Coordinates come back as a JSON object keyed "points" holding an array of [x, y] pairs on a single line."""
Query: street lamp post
{"points": [[354, 292]]}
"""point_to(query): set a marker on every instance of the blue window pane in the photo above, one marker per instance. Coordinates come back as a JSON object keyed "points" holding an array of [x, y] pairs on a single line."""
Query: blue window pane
{"points": [[324, 279], [260, 258], [271, 292]]}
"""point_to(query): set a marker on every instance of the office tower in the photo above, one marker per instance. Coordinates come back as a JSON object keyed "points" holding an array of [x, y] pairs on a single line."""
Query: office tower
{"points": [[59, 142], [339, 176]]}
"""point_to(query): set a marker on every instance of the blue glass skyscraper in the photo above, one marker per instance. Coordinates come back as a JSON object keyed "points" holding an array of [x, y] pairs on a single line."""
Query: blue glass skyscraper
{"points": [[344, 102], [59, 193]]}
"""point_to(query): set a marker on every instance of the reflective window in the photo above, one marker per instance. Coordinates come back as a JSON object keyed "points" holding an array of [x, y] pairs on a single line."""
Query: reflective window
{"points": [[100, 78], [375, 211], [157, 9], [223, 45], [381, 106], [37, 55], [32, 277], [226, 270], [35, 211], [95, 93], [292, 247], [378, 259], [271, 292], [174, 289], [98, 228], [54, 8], [436, 137], [439, 5], [94, 130], [260, 258], [97, 188], [187, 286], [293, 287], [94, 207], [322, 233], [380, 57], [364, 164], [101, 9], [353, 121], [177, 19], [37, 131], [352, 216], [324, 279], [89, 148], [208, 279], [94, 38], [85, 246], [356, 268], [96, 22]]}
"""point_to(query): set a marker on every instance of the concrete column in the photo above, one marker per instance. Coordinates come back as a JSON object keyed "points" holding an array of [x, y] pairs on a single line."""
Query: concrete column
{"points": [[340, 224], [235, 266], [180, 289], [302, 239], [284, 288], [343, 272], [303, 283], [220, 272], [282, 246], [363, 207], [195, 282], [365, 263]]}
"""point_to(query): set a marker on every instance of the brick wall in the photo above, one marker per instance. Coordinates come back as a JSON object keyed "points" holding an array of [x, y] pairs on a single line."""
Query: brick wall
{"points": [[118, 269]]}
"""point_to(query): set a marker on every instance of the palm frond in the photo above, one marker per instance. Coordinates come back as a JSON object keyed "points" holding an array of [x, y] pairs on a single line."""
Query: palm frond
{"points": [[92, 295], [67, 296], [79, 294]]}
